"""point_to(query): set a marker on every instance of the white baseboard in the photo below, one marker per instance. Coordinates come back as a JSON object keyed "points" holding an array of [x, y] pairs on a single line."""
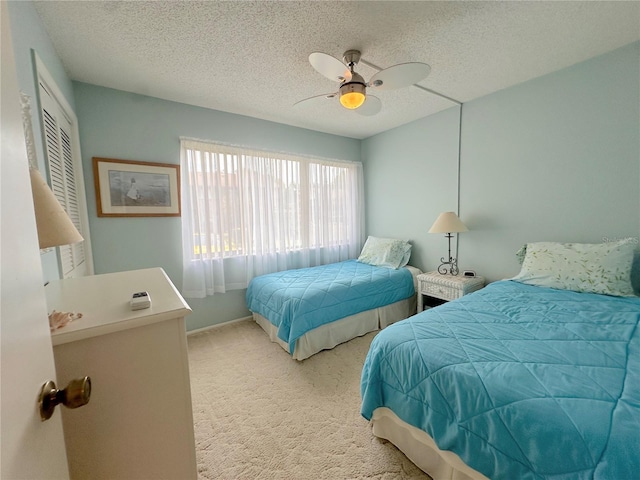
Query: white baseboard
{"points": [[217, 325]]}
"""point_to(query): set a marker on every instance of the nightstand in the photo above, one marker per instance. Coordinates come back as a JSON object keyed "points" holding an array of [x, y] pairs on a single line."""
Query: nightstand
{"points": [[442, 288]]}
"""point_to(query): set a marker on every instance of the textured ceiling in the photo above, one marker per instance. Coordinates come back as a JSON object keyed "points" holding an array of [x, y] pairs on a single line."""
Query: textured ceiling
{"points": [[251, 58]]}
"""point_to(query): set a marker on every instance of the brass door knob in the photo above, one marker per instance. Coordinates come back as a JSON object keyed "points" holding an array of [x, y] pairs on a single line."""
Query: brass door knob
{"points": [[75, 395]]}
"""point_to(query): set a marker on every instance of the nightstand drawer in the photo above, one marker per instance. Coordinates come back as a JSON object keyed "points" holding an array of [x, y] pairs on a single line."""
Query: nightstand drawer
{"points": [[440, 291]]}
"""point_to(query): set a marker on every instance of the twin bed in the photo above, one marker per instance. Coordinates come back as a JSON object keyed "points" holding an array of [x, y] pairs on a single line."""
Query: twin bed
{"points": [[312, 309], [519, 380], [308, 310]]}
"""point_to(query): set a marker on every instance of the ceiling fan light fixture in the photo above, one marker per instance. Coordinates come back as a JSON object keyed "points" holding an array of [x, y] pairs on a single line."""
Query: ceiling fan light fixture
{"points": [[352, 95], [352, 92]]}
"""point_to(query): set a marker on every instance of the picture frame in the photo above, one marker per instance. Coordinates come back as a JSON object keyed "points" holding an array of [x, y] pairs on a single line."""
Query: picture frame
{"points": [[128, 188]]}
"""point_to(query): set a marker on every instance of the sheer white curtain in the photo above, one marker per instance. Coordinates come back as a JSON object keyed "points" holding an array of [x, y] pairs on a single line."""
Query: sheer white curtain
{"points": [[246, 213]]}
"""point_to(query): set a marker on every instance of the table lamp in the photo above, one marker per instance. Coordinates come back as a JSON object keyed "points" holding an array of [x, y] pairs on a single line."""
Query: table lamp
{"points": [[448, 222]]}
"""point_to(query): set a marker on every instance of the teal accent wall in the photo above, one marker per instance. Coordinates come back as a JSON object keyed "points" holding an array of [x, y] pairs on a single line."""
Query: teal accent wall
{"points": [[411, 177], [116, 124]]}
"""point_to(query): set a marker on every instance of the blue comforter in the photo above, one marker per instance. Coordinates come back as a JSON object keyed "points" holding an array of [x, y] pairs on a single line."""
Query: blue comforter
{"points": [[297, 301], [522, 382]]}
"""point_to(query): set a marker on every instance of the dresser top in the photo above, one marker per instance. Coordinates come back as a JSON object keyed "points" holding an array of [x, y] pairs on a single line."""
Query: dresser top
{"points": [[103, 301]]}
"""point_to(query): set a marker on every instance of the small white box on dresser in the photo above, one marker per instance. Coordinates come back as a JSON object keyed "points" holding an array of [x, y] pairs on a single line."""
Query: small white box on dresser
{"points": [[445, 287]]}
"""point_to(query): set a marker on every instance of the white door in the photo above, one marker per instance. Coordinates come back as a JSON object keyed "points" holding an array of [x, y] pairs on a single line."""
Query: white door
{"points": [[30, 448]]}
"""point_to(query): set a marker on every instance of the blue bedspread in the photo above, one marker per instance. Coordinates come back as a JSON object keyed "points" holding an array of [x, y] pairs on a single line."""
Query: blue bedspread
{"points": [[297, 301], [522, 382]]}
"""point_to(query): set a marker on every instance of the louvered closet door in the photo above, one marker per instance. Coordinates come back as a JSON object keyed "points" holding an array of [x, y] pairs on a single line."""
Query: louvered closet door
{"points": [[62, 173]]}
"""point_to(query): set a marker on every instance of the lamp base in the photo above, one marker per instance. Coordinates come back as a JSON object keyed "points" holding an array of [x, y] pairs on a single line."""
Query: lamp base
{"points": [[452, 265]]}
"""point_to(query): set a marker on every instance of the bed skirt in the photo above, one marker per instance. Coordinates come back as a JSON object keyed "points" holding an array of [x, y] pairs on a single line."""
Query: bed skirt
{"points": [[332, 334], [420, 448]]}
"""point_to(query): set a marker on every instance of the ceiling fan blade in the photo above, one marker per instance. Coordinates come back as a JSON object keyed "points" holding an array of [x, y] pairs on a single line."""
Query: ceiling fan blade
{"points": [[371, 106], [317, 98], [398, 76], [330, 67]]}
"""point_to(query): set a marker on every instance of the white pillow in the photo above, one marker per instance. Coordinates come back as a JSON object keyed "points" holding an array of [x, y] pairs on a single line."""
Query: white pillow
{"points": [[583, 267], [385, 252]]}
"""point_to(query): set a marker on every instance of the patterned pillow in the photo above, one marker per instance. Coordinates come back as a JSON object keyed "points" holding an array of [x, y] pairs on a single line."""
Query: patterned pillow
{"points": [[583, 267], [385, 252]]}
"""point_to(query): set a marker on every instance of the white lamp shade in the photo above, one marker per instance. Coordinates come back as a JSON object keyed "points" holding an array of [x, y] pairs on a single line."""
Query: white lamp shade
{"points": [[54, 226], [448, 222]]}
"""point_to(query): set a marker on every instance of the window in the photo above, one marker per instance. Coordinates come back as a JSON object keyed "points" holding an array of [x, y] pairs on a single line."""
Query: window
{"points": [[246, 213]]}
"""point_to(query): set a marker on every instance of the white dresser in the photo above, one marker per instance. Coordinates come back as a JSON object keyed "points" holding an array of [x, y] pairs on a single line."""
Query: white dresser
{"points": [[138, 423]]}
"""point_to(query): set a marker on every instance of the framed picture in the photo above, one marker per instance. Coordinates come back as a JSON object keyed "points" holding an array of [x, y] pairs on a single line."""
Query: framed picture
{"points": [[125, 188]]}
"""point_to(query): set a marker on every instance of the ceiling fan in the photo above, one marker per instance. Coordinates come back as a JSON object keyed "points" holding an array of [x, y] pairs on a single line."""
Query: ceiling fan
{"points": [[352, 92]]}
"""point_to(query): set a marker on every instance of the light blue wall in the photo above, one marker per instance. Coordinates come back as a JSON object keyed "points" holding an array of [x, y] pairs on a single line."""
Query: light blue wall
{"points": [[116, 124], [554, 159], [29, 34], [411, 176]]}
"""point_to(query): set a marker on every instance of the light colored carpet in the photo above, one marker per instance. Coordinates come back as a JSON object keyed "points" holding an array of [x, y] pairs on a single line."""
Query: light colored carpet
{"points": [[259, 414]]}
